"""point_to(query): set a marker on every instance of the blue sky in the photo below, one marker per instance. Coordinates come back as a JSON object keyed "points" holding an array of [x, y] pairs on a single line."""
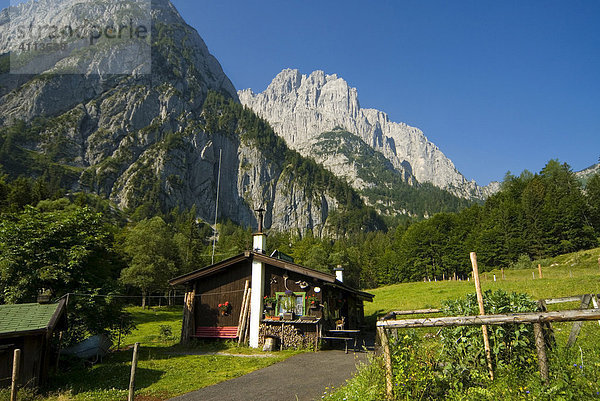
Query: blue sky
{"points": [[497, 85]]}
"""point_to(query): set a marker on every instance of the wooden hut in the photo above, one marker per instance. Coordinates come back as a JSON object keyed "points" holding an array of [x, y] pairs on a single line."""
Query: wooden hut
{"points": [[319, 299], [29, 327]]}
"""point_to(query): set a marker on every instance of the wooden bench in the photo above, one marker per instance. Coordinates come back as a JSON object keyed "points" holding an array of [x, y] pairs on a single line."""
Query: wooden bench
{"points": [[216, 332]]}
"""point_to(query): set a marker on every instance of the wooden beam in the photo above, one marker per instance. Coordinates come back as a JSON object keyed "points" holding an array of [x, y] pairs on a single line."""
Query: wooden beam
{"points": [[585, 302], [551, 301], [15, 374], [134, 361], [486, 340], [514, 318], [242, 309], [387, 357]]}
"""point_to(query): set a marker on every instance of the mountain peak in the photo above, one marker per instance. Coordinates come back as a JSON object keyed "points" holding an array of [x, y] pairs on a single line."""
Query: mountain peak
{"points": [[301, 107]]}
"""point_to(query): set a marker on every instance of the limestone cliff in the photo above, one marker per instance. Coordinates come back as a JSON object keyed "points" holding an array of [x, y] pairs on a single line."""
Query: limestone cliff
{"points": [[302, 107], [148, 137]]}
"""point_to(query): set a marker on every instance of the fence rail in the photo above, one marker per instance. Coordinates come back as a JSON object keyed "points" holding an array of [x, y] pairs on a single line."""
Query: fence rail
{"points": [[530, 317]]}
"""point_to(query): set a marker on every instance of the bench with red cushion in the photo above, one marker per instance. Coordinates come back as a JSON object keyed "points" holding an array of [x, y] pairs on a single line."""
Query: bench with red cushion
{"points": [[216, 332]]}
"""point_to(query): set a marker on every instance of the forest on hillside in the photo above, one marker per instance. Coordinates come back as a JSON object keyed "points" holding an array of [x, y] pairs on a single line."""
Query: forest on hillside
{"points": [[80, 243]]}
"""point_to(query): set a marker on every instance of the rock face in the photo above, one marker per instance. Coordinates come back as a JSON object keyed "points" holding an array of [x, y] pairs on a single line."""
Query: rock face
{"points": [[141, 138], [301, 107], [585, 174]]}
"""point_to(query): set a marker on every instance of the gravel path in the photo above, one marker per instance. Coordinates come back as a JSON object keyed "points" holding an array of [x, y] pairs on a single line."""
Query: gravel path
{"points": [[302, 377]]}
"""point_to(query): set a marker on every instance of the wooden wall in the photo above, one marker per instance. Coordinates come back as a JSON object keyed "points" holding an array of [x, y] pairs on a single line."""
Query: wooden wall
{"points": [[34, 359], [275, 283], [336, 302], [226, 285]]}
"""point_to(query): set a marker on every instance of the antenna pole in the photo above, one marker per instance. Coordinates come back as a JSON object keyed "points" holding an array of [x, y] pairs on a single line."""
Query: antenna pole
{"points": [[216, 208]]}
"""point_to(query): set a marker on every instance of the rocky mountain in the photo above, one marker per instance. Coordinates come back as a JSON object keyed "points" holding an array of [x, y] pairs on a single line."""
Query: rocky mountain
{"points": [[146, 120], [302, 107], [585, 174]]}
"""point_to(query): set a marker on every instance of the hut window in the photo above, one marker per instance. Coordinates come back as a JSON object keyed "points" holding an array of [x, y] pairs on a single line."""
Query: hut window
{"points": [[298, 297]]}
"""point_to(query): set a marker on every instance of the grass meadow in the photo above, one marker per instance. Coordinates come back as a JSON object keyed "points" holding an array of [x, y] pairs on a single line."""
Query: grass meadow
{"points": [[165, 368], [574, 371], [566, 275]]}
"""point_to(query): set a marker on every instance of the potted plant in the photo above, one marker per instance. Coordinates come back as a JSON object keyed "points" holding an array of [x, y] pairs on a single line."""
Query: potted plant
{"points": [[313, 302], [269, 302], [225, 308], [288, 304]]}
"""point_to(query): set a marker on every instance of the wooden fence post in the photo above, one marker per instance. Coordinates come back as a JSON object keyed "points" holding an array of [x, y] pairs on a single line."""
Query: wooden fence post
{"points": [[15, 374], [595, 302], [540, 345], [134, 361], [585, 303], [387, 357], [540, 270], [486, 340]]}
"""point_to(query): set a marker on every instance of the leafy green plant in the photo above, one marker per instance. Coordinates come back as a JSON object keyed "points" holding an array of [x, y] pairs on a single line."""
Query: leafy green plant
{"points": [[510, 344], [165, 332], [414, 369], [288, 303]]}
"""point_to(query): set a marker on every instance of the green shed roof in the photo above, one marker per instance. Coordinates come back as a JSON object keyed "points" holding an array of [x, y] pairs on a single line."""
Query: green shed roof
{"points": [[19, 318]]}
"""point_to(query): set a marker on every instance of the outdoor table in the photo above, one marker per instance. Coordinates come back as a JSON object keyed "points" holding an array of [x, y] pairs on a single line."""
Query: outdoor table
{"points": [[346, 335]]}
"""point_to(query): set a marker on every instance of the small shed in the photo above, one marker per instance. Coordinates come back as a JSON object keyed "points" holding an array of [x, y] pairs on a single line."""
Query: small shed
{"points": [[320, 300], [29, 327]]}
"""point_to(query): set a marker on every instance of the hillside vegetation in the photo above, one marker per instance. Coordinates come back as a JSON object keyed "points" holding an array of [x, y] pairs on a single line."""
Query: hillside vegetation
{"points": [[449, 364], [564, 275]]}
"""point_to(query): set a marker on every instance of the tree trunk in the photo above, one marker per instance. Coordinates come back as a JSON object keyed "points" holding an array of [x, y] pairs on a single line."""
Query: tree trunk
{"points": [[143, 299]]}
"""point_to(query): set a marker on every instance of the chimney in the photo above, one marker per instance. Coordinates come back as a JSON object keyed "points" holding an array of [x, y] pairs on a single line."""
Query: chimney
{"points": [[339, 273], [259, 245], [259, 240], [44, 296]]}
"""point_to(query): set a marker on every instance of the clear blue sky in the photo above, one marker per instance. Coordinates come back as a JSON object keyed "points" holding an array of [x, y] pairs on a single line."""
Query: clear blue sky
{"points": [[497, 85]]}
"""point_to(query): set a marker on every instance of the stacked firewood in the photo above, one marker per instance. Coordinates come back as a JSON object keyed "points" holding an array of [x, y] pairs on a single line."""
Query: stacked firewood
{"points": [[292, 337]]}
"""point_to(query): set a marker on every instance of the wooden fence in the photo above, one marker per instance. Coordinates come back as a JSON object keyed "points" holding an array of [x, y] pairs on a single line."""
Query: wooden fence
{"points": [[535, 318]]}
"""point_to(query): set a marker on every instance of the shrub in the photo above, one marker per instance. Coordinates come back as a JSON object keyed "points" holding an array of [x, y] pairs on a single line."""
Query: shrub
{"points": [[511, 344], [165, 332], [524, 262]]}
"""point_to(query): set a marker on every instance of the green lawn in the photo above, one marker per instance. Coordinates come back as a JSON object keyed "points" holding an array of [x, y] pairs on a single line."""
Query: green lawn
{"points": [[165, 368], [566, 275], [573, 372]]}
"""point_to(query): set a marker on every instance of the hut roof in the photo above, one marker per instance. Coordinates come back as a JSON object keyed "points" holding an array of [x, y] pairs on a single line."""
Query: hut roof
{"points": [[284, 264], [21, 319]]}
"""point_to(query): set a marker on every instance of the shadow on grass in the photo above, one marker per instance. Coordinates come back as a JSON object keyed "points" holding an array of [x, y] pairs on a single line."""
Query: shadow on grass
{"points": [[106, 376], [157, 352], [155, 314], [371, 320]]}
